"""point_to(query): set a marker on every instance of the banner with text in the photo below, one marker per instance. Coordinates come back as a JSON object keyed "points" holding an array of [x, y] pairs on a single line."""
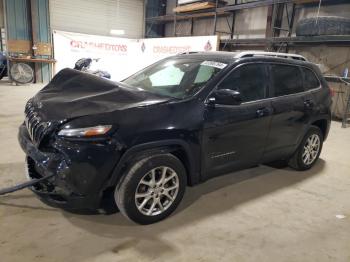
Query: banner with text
{"points": [[122, 57]]}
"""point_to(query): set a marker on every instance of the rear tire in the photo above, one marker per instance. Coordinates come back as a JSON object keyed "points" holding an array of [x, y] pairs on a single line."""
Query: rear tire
{"points": [[308, 151], [151, 188]]}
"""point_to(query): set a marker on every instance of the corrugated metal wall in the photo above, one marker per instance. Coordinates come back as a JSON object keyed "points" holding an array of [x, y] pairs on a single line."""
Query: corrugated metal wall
{"points": [[98, 16], [42, 34], [18, 19], [27, 24], [43, 20], [2, 20]]}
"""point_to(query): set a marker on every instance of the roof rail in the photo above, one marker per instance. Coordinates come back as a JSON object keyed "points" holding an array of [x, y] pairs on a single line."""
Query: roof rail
{"points": [[188, 53], [272, 54]]}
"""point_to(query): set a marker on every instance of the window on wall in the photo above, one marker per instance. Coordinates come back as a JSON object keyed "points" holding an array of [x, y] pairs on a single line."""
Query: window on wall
{"points": [[249, 80], [310, 80], [286, 79]]}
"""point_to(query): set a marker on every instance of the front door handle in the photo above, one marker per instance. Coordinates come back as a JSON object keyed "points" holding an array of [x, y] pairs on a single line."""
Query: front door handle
{"points": [[262, 112], [308, 103]]}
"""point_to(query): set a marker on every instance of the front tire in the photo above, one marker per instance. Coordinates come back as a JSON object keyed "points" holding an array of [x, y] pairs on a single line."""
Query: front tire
{"points": [[308, 151], [151, 188]]}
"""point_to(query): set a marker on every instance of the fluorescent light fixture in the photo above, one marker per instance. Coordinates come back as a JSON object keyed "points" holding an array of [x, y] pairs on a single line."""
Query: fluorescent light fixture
{"points": [[117, 32]]}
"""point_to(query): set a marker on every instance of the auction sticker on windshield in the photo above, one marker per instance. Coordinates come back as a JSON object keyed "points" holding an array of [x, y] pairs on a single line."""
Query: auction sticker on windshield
{"points": [[214, 64]]}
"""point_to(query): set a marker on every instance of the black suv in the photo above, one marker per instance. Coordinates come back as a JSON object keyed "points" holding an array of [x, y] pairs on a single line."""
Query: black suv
{"points": [[178, 122]]}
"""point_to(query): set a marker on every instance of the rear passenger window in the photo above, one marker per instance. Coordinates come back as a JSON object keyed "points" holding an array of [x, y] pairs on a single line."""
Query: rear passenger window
{"points": [[310, 80], [249, 80], [287, 80]]}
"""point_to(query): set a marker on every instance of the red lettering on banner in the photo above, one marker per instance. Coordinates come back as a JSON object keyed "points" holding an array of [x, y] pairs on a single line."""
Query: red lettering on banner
{"points": [[171, 49], [99, 46]]}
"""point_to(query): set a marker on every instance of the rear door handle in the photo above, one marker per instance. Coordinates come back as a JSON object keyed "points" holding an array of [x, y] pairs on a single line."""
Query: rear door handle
{"points": [[263, 112]]}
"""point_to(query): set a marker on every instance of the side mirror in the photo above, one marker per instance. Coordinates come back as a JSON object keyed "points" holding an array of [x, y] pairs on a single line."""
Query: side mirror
{"points": [[225, 97]]}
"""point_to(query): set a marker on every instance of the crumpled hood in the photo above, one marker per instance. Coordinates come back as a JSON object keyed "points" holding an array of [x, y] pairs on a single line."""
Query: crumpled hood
{"points": [[72, 93]]}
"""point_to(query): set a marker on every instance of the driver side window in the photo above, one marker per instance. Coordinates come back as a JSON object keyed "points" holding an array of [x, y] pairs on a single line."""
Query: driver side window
{"points": [[249, 80]]}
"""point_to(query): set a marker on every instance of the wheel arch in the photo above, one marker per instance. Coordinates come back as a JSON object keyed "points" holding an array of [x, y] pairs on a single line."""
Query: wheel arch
{"points": [[177, 147], [323, 125]]}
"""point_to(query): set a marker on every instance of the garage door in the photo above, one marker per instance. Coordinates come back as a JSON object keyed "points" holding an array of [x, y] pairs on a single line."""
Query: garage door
{"points": [[98, 16]]}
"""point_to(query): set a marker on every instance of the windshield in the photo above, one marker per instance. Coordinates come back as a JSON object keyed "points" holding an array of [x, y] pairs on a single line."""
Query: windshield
{"points": [[175, 77]]}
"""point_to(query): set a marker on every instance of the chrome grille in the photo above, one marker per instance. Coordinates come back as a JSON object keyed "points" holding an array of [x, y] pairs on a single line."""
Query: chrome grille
{"points": [[35, 126]]}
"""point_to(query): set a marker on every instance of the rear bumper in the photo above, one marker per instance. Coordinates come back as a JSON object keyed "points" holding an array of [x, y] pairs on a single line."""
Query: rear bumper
{"points": [[80, 171]]}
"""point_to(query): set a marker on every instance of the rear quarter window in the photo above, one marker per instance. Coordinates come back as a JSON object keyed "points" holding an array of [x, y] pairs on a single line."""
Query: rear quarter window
{"points": [[287, 79], [310, 79]]}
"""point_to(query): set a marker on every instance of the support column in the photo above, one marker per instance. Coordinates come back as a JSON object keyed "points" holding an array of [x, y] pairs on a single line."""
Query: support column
{"points": [[41, 36]]}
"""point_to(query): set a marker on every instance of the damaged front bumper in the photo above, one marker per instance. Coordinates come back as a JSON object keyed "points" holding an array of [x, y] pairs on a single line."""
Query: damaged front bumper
{"points": [[52, 194], [80, 170]]}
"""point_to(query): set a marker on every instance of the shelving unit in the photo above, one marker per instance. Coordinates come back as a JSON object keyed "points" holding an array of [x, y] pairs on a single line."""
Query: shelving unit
{"points": [[272, 40]]}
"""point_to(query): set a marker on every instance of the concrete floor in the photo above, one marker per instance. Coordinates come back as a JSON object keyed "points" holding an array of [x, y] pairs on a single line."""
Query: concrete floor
{"points": [[260, 214]]}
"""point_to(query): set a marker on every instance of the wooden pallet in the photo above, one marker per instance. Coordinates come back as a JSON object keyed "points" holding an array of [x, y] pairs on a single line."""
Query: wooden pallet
{"points": [[194, 7]]}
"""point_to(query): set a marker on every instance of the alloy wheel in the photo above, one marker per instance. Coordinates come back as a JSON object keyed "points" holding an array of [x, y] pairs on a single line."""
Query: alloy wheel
{"points": [[311, 149], [156, 191]]}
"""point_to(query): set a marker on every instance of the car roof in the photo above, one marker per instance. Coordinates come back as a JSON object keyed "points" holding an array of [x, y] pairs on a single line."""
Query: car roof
{"points": [[232, 57]]}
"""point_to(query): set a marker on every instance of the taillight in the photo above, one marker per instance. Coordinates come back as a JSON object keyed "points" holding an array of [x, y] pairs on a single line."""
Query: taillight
{"points": [[331, 91]]}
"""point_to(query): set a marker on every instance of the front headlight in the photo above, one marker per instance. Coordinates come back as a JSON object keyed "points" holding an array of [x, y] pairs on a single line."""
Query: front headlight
{"points": [[85, 132]]}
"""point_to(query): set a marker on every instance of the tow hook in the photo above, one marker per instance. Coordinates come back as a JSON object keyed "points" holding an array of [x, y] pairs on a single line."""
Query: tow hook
{"points": [[24, 185]]}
